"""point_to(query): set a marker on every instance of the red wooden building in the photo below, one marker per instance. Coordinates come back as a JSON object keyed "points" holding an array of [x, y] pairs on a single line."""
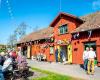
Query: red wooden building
{"points": [[89, 36], [63, 25], [70, 33], [38, 42]]}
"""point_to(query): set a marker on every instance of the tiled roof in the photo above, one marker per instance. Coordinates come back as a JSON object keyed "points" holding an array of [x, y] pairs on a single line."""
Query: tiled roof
{"points": [[91, 22], [40, 34]]}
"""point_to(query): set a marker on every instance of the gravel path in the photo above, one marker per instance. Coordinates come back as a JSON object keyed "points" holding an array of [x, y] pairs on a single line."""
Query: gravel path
{"points": [[70, 70]]}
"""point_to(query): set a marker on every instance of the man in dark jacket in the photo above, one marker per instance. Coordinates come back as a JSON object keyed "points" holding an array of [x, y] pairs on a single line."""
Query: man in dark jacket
{"points": [[56, 55], [61, 55]]}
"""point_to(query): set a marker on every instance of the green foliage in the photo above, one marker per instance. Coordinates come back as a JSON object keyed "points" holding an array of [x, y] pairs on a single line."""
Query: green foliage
{"points": [[2, 50], [19, 32], [12, 40]]}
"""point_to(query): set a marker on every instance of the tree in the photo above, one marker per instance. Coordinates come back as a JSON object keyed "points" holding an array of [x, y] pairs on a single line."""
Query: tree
{"points": [[12, 40], [19, 32]]}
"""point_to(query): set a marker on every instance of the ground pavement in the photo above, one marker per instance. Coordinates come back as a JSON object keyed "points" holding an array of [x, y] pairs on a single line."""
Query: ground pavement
{"points": [[70, 70]]}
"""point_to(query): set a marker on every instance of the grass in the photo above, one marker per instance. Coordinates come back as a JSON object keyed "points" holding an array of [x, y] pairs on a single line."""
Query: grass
{"points": [[53, 76]]}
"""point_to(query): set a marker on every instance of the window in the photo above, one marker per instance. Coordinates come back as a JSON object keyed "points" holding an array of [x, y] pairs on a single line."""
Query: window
{"points": [[63, 29], [51, 50]]}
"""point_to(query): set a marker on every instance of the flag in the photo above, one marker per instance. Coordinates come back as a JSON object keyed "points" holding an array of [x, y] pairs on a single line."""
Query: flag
{"points": [[89, 33], [74, 36], [78, 35]]}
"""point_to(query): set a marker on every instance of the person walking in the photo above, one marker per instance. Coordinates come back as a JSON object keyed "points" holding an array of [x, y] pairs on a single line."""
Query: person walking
{"points": [[91, 57], [85, 57]]}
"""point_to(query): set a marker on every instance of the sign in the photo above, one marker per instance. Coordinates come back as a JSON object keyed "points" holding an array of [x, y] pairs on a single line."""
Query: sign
{"points": [[63, 41]]}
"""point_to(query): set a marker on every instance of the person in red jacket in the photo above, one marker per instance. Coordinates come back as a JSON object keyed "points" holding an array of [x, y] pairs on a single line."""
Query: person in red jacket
{"points": [[13, 54]]}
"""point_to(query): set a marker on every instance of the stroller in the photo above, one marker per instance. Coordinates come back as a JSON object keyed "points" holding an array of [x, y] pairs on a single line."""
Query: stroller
{"points": [[18, 72], [21, 70], [8, 74]]}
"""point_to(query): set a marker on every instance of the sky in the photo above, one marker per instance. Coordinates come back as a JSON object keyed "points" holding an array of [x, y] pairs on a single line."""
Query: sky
{"points": [[39, 13]]}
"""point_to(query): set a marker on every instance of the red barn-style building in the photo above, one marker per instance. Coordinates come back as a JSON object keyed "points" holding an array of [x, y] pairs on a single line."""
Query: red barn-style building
{"points": [[63, 25], [70, 34], [38, 42], [89, 36]]}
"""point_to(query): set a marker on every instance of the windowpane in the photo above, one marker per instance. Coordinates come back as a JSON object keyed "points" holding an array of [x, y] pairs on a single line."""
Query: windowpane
{"points": [[63, 29], [51, 50]]}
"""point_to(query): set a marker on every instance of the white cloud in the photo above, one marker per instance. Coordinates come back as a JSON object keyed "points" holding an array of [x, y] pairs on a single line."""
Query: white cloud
{"points": [[96, 4]]}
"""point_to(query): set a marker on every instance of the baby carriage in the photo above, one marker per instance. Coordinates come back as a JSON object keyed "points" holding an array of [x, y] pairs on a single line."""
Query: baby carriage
{"points": [[22, 70]]}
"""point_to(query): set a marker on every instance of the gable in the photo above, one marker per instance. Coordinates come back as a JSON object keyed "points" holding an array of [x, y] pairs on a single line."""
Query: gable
{"points": [[64, 15]]}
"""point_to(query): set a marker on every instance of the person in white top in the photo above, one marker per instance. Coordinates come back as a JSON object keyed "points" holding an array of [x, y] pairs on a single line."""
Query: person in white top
{"points": [[91, 57], [91, 54], [7, 66], [85, 57]]}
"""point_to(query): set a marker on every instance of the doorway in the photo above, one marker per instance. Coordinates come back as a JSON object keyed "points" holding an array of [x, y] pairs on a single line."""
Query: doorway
{"points": [[24, 51], [65, 53], [90, 44], [93, 45]]}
